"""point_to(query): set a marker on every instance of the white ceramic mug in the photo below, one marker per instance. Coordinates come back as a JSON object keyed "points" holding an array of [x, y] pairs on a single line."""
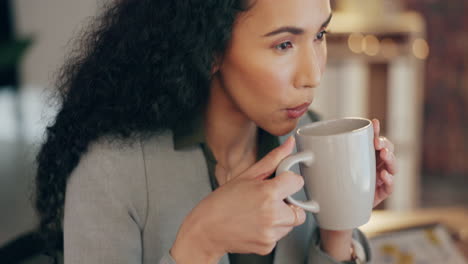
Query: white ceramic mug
{"points": [[337, 161]]}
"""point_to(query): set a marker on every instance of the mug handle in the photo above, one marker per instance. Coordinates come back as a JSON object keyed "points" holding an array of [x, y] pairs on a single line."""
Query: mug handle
{"points": [[307, 158]]}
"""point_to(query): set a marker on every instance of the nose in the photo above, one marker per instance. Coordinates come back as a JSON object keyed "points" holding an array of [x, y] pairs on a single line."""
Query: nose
{"points": [[309, 70]]}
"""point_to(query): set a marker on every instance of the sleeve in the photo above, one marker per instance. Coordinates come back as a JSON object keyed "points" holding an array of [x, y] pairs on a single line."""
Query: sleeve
{"points": [[316, 255], [105, 208]]}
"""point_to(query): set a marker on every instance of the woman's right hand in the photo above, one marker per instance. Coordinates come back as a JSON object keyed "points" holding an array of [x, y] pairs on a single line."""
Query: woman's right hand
{"points": [[246, 215]]}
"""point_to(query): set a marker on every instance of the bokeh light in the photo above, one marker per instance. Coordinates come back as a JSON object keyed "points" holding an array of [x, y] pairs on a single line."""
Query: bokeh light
{"points": [[371, 45], [420, 49], [355, 42]]}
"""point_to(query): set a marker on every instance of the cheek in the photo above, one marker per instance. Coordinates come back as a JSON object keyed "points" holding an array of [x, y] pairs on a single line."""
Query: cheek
{"points": [[271, 83], [261, 90], [324, 57], [256, 81]]}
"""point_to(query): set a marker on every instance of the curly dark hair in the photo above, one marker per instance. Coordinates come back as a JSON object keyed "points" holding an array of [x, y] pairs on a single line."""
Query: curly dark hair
{"points": [[139, 68]]}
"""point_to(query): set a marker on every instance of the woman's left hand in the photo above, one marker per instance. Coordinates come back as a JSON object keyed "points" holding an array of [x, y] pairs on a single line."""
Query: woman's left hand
{"points": [[385, 164]]}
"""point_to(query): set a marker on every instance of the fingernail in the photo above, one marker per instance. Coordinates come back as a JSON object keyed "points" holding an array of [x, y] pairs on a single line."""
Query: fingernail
{"points": [[381, 143], [289, 143]]}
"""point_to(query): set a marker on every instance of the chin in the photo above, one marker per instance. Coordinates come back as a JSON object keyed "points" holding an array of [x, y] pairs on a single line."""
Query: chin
{"points": [[283, 129]]}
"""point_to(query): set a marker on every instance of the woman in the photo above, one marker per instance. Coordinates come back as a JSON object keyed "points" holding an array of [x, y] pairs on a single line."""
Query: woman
{"points": [[166, 139]]}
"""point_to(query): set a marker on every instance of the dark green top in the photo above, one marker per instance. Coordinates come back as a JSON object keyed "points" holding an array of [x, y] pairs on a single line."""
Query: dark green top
{"points": [[192, 134]]}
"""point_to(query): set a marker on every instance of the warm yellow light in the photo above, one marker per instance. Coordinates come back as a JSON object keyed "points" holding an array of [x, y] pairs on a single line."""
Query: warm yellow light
{"points": [[420, 49], [354, 42], [370, 45], [388, 48]]}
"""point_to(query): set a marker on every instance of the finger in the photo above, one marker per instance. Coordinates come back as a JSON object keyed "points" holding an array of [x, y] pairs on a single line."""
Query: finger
{"points": [[279, 232], [282, 231], [384, 187], [377, 142], [266, 166], [300, 213], [376, 125], [388, 182], [292, 215], [390, 161], [379, 182], [286, 184], [380, 163], [385, 143]]}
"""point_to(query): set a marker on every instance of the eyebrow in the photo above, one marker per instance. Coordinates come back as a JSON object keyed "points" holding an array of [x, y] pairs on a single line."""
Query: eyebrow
{"points": [[295, 30]]}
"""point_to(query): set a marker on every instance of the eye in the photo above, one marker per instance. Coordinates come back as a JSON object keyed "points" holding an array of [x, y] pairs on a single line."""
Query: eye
{"points": [[321, 35], [284, 46]]}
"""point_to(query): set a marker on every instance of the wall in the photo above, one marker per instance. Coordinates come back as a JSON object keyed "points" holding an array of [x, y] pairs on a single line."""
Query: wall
{"points": [[445, 139], [52, 23]]}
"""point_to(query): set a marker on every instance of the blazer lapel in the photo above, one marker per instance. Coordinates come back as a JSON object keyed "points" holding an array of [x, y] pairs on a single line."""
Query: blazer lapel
{"points": [[177, 182]]}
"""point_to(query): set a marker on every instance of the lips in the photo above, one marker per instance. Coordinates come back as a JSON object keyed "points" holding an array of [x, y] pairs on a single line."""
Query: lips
{"points": [[297, 111]]}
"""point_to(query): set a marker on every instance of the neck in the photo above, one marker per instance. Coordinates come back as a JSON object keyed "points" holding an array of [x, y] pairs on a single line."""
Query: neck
{"points": [[231, 136]]}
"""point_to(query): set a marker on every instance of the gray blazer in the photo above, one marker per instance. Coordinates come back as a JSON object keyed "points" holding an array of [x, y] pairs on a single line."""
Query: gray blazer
{"points": [[125, 202]]}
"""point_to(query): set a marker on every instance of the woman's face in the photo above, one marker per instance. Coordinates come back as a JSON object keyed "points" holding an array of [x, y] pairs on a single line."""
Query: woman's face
{"points": [[275, 59]]}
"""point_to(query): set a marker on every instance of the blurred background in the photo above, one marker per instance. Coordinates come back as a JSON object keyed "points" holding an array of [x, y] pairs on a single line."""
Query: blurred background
{"points": [[402, 61]]}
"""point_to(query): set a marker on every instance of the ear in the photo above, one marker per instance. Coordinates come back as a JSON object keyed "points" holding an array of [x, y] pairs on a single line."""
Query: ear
{"points": [[216, 64]]}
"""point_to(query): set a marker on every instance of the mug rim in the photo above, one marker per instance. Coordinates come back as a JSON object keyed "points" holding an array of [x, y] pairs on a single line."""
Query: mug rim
{"points": [[369, 123]]}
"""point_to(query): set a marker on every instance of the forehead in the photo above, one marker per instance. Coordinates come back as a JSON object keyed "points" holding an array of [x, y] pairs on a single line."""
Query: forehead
{"points": [[270, 14]]}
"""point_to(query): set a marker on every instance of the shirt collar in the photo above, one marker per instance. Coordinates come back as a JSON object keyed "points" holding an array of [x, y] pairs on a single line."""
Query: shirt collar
{"points": [[192, 133], [189, 133]]}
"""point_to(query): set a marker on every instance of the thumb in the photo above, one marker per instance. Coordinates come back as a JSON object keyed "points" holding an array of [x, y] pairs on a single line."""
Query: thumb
{"points": [[268, 164]]}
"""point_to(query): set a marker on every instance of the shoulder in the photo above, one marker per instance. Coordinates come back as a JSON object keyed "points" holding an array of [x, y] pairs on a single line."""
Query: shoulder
{"points": [[110, 156], [111, 167], [119, 162], [117, 156], [113, 171]]}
